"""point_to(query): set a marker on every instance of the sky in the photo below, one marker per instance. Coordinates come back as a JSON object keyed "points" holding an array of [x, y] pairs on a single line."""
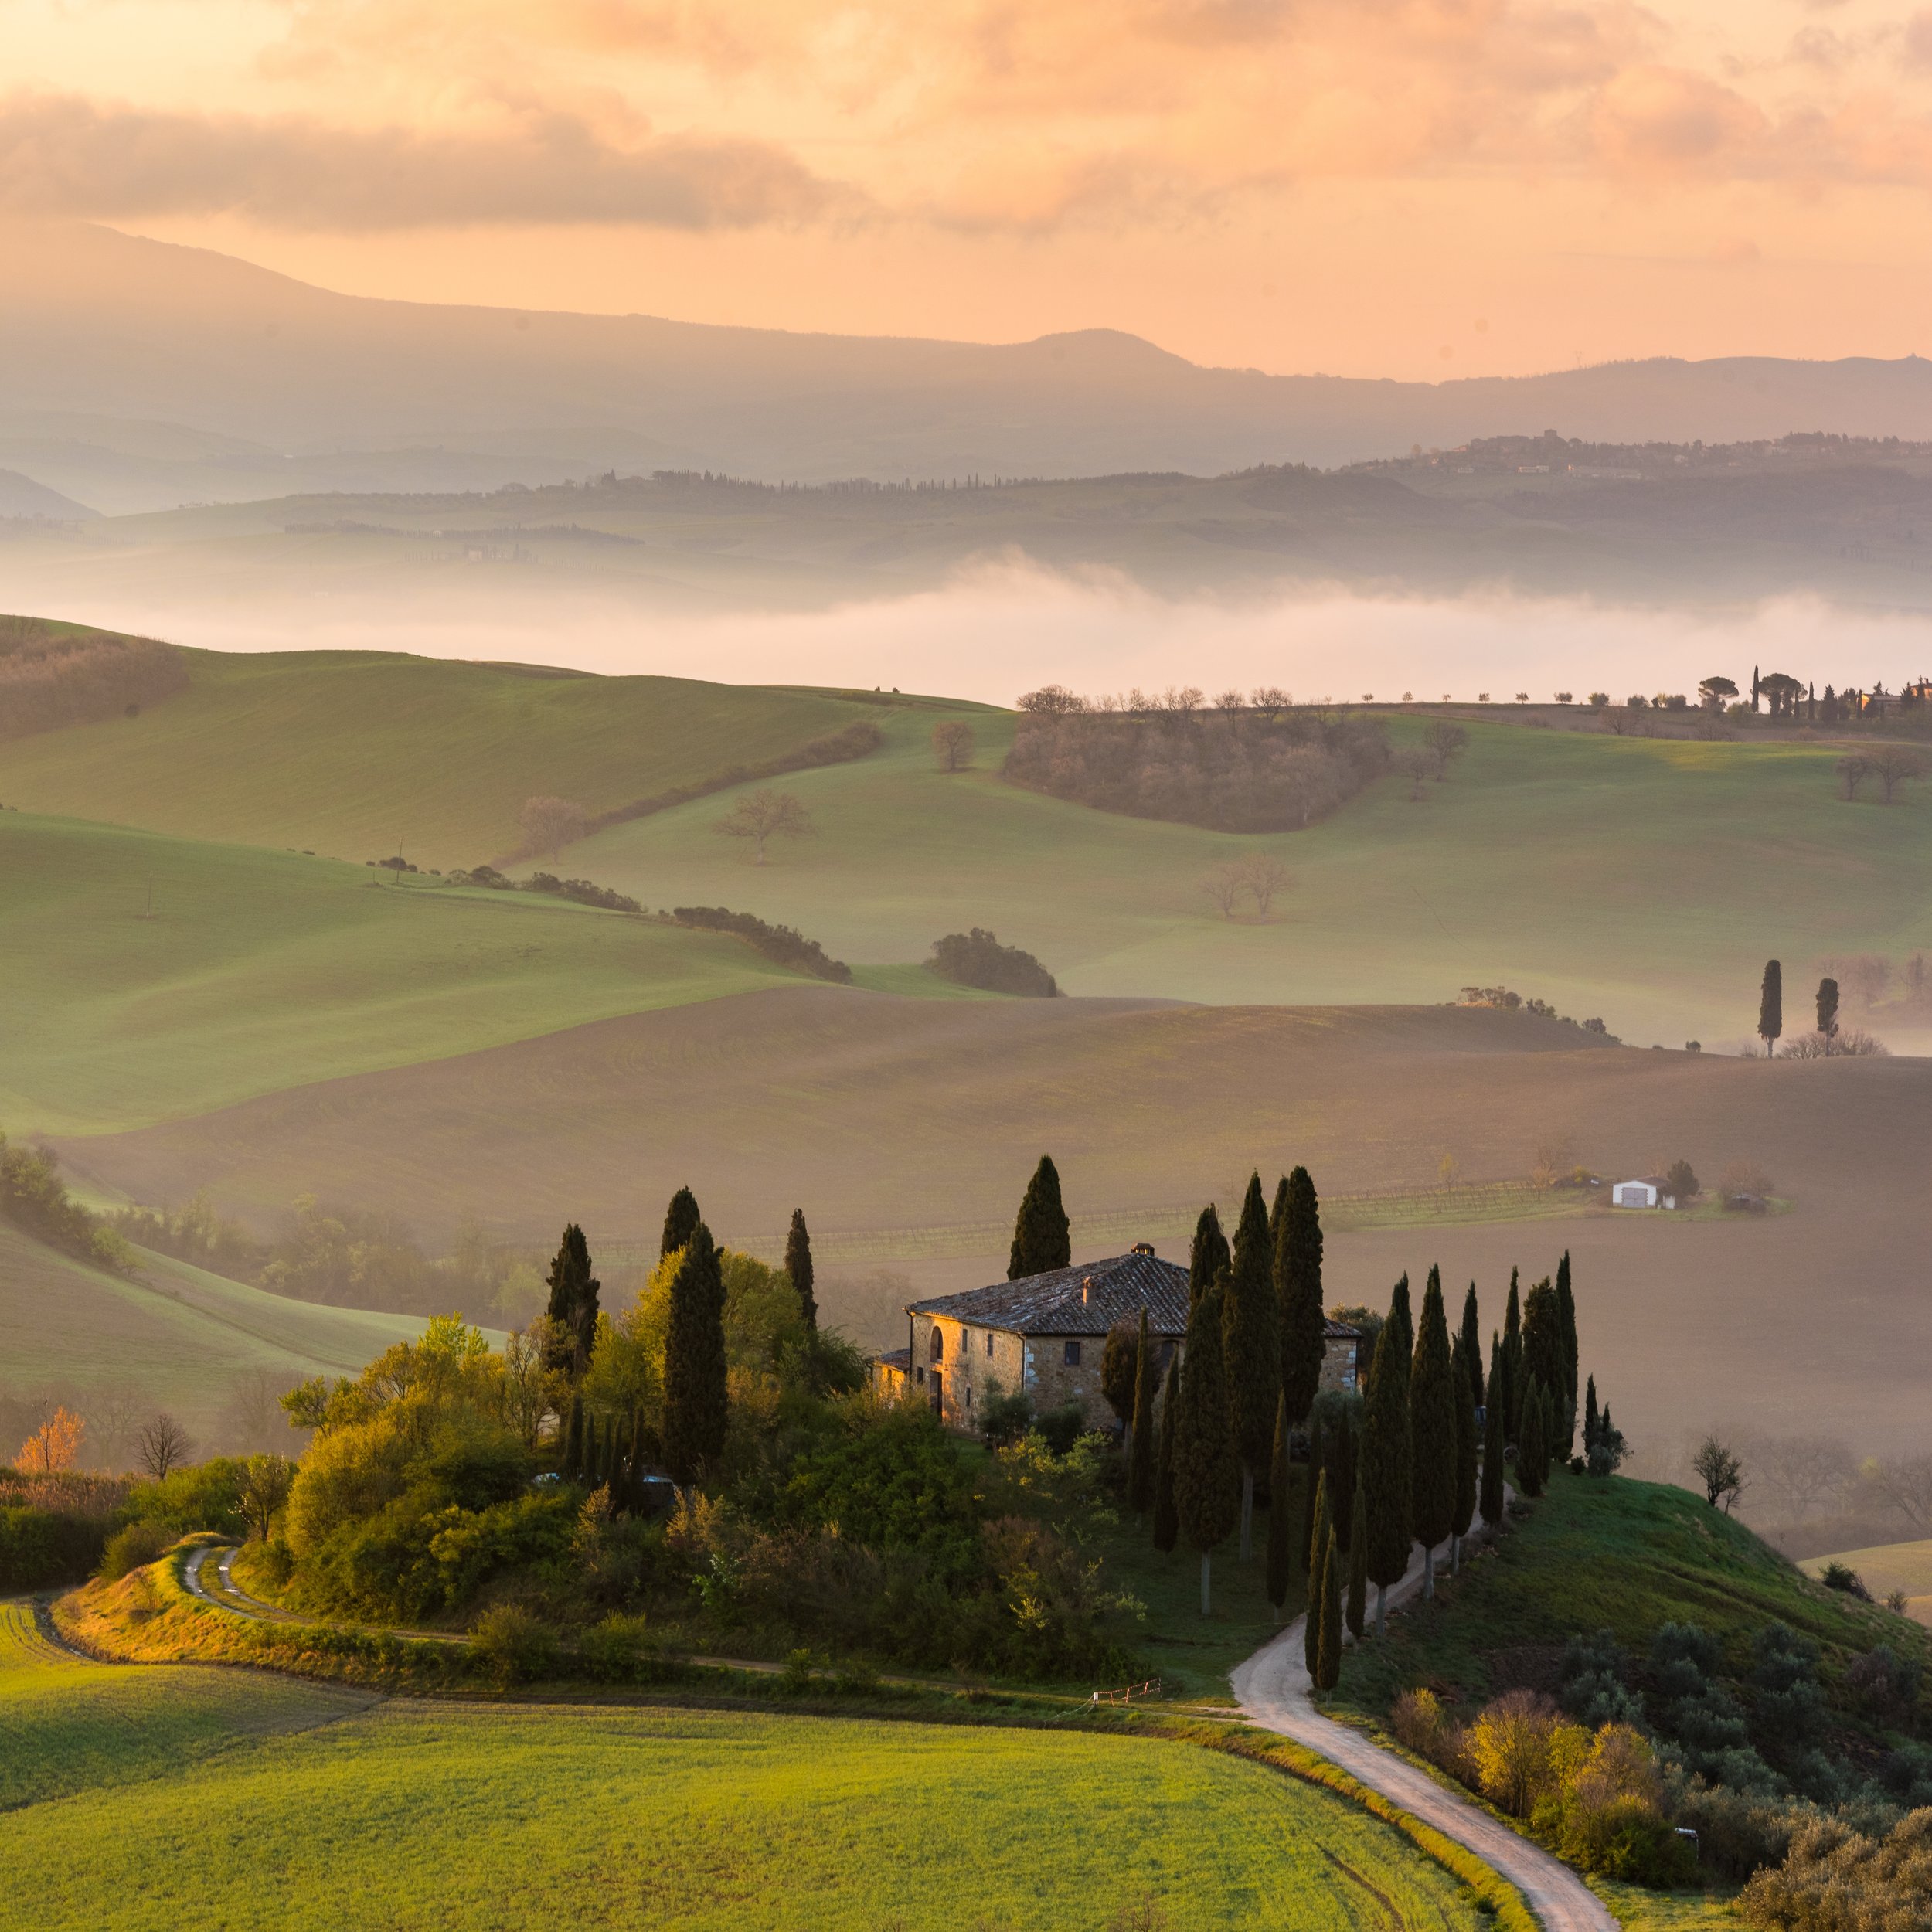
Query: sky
{"points": [[1406, 188]]}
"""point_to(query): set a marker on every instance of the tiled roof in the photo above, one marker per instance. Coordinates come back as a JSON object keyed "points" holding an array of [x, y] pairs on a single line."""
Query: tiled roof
{"points": [[1339, 1331], [1054, 1304], [899, 1359]]}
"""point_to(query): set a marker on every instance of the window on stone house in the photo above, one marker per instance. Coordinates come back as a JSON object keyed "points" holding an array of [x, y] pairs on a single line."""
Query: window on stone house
{"points": [[989, 1342], [1072, 1356], [969, 1395], [939, 1346]]}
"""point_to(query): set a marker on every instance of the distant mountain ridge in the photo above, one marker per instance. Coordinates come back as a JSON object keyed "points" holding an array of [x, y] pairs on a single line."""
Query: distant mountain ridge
{"points": [[137, 374]]}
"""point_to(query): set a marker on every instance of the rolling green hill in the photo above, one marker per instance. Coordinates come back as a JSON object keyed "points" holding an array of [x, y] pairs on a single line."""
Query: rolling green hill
{"points": [[260, 970], [703, 1819], [358, 754], [183, 1338]]}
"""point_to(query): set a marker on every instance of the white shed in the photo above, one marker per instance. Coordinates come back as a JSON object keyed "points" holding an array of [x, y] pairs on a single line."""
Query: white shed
{"points": [[1647, 1193]]}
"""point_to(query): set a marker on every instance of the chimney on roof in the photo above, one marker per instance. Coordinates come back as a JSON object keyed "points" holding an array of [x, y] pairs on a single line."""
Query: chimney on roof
{"points": [[1086, 1291], [1143, 1247]]}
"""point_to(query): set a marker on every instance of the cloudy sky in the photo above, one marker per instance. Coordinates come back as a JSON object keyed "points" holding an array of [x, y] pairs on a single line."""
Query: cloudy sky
{"points": [[1427, 188]]}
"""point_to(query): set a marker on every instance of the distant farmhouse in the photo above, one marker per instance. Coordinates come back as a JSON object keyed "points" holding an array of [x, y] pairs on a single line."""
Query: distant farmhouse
{"points": [[1652, 1190], [1045, 1334]]}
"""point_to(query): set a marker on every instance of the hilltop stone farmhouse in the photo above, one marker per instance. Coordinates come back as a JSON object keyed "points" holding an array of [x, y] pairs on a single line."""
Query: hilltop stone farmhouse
{"points": [[1045, 1334]]}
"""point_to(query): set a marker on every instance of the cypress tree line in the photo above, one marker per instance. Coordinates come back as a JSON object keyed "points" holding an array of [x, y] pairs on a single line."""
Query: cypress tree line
{"points": [[1513, 1375], [681, 1220], [1357, 1564], [1385, 1481], [1298, 1292], [1402, 1322], [1771, 1006], [1280, 1556], [1463, 1512], [1567, 1311], [1323, 1542], [573, 1441], [1530, 1456], [572, 1307], [798, 1266], [1472, 1345], [1432, 1431], [1340, 1463], [1494, 1500], [1328, 1663], [1166, 1517], [1590, 1418], [1140, 1461], [695, 1412], [1542, 1338], [634, 1474], [1317, 1461], [1251, 1349], [1041, 1241], [1208, 1256], [1206, 1471]]}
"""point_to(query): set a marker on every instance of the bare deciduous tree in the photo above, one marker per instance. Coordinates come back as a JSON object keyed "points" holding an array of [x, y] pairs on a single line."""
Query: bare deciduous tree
{"points": [[528, 1387], [1721, 1471], [1895, 765], [953, 742], [1443, 741], [551, 824], [1803, 1474], [1904, 1485], [1054, 701], [1264, 875], [1224, 885], [264, 1488], [766, 814], [1852, 771], [1271, 700], [1415, 763], [1551, 1161], [113, 1414], [163, 1445]]}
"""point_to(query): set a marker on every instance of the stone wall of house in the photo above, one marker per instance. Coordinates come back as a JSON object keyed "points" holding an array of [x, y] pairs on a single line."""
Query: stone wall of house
{"points": [[975, 1363], [1339, 1363]]}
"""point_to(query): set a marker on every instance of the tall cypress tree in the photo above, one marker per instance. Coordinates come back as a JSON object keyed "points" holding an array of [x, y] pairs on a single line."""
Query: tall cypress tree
{"points": [[1280, 1558], [695, 1411], [1493, 1497], [1358, 1564], [1328, 1663], [1167, 1516], [1206, 1471], [798, 1266], [1140, 1462], [1590, 1418], [1323, 1543], [1041, 1241], [1298, 1292], [1208, 1256], [634, 1474], [1771, 1006], [681, 1220], [1317, 1463], [573, 1441], [1251, 1349], [1531, 1459], [1566, 1312], [1432, 1431], [1512, 1355], [1542, 1339], [1385, 1480], [1344, 1452], [1464, 1513], [573, 1308], [1472, 1345]]}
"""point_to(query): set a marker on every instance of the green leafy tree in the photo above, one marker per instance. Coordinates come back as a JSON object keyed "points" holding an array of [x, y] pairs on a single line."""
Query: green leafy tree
{"points": [[1531, 1458], [1512, 1357], [1432, 1431], [264, 1487], [1327, 1662], [1472, 1344], [1463, 1512], [1385, 1479], [1140, 1459], [1280, 1556], [572, 1307], [1251, 1349], [1322, 1540], [1042, 1239], [681, 1220], [1208, 1256], [798, 1266], [1359, 1566], [1298, 1291], [695, 1367], [1206, 1470], [1167, 1516], [1771, 1006]]}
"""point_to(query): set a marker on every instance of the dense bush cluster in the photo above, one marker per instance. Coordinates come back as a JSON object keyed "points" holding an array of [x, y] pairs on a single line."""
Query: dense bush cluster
{"points": [[977, 959], [1234, 767], [581, 892], [50, 676], [34, 1199], [783, 945], [1838, 1878]]}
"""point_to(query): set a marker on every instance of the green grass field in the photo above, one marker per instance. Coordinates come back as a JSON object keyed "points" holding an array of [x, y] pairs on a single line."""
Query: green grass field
{"points": [[356, 754], [287, 1805], [185, 1339], [260, 970]]}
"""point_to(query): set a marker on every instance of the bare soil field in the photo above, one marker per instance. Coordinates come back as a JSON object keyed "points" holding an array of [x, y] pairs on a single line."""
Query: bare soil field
{"points": [[902, 1117]]}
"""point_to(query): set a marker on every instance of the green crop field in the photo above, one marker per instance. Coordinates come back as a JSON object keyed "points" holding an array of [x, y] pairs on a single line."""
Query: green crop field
{"points": [[185, 1338], [260, 970], [358, 754], [291, 1805]]}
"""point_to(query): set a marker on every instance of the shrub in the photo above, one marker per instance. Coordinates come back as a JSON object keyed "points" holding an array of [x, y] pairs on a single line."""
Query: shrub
{"points": [[133, 1546], [1060, 1428], [1838, 1879], [41, 1547], [977, 959], [783, 945], [1515, 1749], [1004, 1418], [513, 1645], [1842, 1576], [617, 1650]]}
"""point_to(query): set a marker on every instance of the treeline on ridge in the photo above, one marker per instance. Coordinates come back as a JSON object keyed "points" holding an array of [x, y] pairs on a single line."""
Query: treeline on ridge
{"points": [[783, 945], [51, 675], [1259, 764]]}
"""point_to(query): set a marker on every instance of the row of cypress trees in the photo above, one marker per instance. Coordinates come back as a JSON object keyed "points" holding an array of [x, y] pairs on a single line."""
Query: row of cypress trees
{"points": [[696, 1411]]}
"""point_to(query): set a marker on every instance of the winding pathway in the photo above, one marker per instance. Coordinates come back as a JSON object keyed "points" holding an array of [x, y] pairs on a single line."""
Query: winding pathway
{"points": [[1274, 1691]]}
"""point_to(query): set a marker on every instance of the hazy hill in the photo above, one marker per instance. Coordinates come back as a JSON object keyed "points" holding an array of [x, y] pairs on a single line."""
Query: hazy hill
{"points": [[330, 391]]}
